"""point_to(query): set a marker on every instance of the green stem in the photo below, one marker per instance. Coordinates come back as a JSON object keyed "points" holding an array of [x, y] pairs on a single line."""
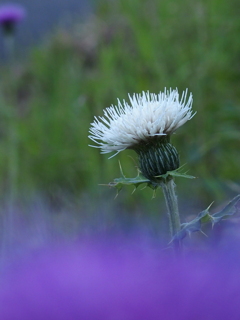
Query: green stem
{"points": [[168, 187]]}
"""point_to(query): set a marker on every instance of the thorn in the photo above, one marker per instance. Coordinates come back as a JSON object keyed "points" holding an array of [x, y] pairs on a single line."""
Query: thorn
{"points": [[181, 166], [121, 170], [213, 222], [204, 233], [154, 194], [133, 160], [138, 172], [209, 206], [110, 184]]}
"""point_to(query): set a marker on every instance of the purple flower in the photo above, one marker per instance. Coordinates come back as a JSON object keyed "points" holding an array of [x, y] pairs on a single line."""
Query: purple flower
{"points": [[94, 281], [10, 14]]}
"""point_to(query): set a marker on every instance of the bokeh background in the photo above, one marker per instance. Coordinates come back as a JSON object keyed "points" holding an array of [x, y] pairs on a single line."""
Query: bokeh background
{"points": [[75, 58]]}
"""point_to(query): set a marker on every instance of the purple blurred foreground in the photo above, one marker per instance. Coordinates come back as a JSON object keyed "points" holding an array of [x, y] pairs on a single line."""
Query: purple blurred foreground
{"points": [[121, 281]]}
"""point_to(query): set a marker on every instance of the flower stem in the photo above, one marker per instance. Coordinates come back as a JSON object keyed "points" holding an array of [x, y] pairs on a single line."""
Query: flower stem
{"points": [[168, 187]]}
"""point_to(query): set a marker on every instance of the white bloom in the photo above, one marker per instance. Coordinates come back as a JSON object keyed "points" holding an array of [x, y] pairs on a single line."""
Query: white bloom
{"points": [[148, 115]]}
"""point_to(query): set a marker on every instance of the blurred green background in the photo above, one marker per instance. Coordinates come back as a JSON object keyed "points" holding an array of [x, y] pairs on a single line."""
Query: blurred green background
{"points": [[125, 47]]}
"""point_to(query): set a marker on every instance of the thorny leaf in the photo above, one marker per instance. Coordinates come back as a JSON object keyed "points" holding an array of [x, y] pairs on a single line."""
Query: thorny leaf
{"points": [[118, 183], [205, 217], [176, 173]]}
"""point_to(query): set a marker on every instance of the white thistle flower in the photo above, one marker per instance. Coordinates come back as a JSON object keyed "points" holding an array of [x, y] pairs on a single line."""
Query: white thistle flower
{"points": [[126, 126]]}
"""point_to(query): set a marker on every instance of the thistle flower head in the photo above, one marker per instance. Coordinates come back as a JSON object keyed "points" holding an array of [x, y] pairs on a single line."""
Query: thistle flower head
{"points": [[10, 14], [147, 116]]}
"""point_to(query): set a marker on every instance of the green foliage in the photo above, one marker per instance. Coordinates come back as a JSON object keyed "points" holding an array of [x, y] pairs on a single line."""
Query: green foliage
{"points": [[129, 46]]}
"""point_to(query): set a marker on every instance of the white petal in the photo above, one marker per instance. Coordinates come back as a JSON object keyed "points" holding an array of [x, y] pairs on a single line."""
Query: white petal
{"points": [[125, 125]]}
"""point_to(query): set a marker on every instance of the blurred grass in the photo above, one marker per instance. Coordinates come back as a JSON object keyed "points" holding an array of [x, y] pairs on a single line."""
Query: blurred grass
{"points": [[127, 47]]}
